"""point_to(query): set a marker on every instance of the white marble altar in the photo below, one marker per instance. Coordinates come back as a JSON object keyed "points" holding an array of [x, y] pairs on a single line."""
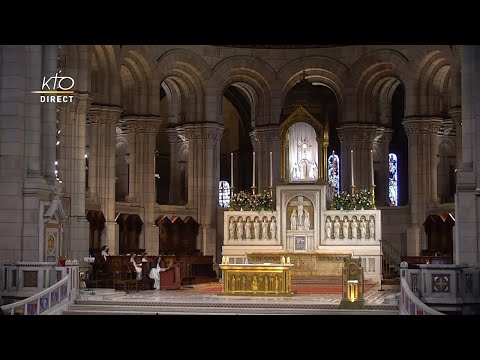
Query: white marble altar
{"points": [[301, 223]]}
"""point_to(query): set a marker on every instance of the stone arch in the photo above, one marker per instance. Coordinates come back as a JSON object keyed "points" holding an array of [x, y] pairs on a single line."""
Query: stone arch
{"points": [[328, 71], [430, 84], [105, 75], [140, 95], [250, 75], [190, 72], [374, 79]]}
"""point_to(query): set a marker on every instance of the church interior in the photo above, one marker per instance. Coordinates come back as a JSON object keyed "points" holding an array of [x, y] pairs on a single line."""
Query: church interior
{"points": [[262, 169]]}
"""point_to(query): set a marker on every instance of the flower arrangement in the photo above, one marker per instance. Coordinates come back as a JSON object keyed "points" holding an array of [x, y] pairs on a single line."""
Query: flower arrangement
{"points": [[344, 200], [364, 199], [246, 201]]}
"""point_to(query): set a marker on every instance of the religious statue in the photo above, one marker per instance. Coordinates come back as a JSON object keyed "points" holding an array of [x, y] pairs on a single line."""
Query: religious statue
{"points": [[363, 228], [345, 227], [336, 228], [313, 171], [231, 229], [233, 283], [265, 280], [256, 229], [264, 230], [240, 229], [254, 283], [248, 230], [244, 283], [328, 227], [293, 220], [273, 229], [306, 221], [276, 283], [295, 172], [354, 228], [371, 228]]}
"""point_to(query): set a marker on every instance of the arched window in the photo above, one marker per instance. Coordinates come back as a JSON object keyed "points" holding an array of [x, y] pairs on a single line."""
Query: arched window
{"points": [[334, 172], [392, 179], [224, 193]]}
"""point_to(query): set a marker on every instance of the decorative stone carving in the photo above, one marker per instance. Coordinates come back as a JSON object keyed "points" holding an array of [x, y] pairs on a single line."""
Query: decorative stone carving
{"points": [[248, 229], [328, 228], [363, 228], [264, 229], [240, 229], [371, 228], [354, 226], [231, 229], [345, 225], [256, 227], [336, 228], [273, 229]]}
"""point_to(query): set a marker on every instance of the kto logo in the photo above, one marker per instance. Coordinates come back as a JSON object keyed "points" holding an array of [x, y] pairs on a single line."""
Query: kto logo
{"points": [[60, 86]]}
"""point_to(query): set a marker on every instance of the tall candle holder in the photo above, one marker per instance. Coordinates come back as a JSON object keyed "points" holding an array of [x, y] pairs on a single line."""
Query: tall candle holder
{"points": [[254, 190], [353, 189], [372, 189], [270, 191]]}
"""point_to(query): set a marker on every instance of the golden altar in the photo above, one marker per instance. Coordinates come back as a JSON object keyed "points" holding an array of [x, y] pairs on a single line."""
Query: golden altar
{"points": [[256, 279]]}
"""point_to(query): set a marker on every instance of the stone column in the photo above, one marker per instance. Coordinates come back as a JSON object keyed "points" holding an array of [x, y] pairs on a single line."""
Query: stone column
{"points": [[456, 115], [467, 198], [143, 131], [422, 171], [359, 138], [204, 150], [266, 140], [72, 173], [174, 191], [382, 144], [103, 121]]}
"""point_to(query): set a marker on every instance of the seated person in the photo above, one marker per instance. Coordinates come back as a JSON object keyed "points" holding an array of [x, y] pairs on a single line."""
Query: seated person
{"points": [[138, 268], [155, 272]]}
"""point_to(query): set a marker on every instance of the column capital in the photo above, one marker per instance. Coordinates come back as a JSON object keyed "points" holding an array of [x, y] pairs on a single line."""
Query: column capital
{"points": [[384, 135], [143, 124], [265, 134], [354, 132], [456, 115], [203, 131], [422, 125], [80, 104], [172, 135], [100, 114]]}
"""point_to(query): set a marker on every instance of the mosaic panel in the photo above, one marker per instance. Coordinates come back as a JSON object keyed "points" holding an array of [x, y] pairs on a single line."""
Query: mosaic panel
{"points": [[441, 283], [32, 308], [44, 304], [30, 278]]}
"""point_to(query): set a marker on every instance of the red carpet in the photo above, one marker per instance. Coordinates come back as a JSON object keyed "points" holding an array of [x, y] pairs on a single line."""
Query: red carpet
{"points": [[297, 288]]}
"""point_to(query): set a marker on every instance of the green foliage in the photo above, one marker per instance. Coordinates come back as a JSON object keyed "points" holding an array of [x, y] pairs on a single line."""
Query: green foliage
{"points": [[246, 201], [346, 201]]}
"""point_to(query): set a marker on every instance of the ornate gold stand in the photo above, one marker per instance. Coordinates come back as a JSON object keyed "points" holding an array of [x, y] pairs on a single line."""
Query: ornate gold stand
{"points": [[353, 189], [254, 190], [256, 279]]}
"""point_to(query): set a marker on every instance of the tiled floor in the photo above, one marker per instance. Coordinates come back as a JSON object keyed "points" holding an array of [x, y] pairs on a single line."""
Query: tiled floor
{"points": [[195, 296]]}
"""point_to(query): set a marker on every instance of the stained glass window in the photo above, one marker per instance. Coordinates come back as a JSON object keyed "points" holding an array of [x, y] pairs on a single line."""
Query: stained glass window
{"points": [[224, 193], [334, 172], [392, 179]]}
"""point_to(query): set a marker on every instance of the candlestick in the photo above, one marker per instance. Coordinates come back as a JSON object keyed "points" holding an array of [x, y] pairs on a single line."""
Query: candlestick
{"points": [[351, 167], [253, 169], [271, 170], [371, 161], [231, 169]]}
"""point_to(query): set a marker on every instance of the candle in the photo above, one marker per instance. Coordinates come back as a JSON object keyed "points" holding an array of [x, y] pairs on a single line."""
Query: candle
{"points": [[253, 168], [231, 168], [351, 166], [371, 161], [271, 171]]}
